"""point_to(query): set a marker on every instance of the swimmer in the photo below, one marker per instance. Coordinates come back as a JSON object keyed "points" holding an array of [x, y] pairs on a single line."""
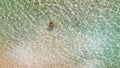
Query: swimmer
{"points": [[51, 25]]}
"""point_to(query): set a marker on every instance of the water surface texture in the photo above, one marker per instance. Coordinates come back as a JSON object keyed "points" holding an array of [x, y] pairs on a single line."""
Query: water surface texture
{"points": [[86, 34]]}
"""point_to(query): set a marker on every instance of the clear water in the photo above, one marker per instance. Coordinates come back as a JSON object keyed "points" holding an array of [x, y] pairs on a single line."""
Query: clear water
{"points": [[86, 34]]}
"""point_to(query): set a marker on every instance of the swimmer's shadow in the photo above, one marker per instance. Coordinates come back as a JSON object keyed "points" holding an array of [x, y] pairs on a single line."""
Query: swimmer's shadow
{"points": [[49, 29]]}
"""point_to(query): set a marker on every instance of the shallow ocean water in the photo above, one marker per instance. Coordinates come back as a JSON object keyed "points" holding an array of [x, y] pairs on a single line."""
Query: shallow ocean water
{"points": [[86, 34]]}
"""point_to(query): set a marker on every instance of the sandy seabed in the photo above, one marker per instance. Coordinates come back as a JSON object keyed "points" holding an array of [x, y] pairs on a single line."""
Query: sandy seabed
{"points": [[86, 34]]}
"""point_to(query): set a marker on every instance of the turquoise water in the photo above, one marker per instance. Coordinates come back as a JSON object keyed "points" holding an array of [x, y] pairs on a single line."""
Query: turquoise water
{"points": [[86, 33]]}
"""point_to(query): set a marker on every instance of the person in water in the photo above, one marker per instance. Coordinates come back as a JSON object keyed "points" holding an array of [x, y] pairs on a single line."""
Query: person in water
{"points": [[51, 25]]}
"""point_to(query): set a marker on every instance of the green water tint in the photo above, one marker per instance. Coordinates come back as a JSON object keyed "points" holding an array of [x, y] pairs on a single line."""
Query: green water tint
{"points": [[90, 31]]}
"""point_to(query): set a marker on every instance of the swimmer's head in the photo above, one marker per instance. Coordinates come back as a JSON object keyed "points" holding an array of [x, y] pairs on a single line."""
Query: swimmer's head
{"points": [[51, 24]]}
